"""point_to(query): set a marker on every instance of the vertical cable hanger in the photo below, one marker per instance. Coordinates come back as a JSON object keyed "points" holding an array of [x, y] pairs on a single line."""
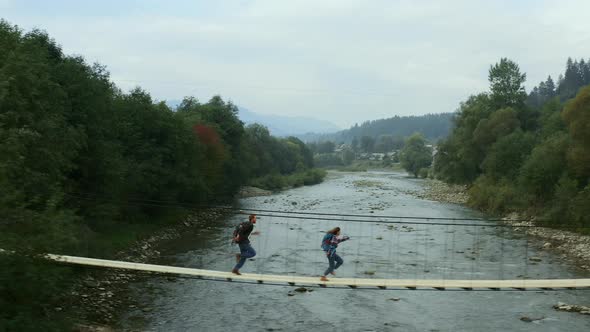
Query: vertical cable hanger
{"points": [[390, 249], [358, 249], [502, 236], [425, 250], [397, 262], [473, 245], [453, 253], [416, 245], [526, 254], [296, 246], [286, 249], [446, 256]]}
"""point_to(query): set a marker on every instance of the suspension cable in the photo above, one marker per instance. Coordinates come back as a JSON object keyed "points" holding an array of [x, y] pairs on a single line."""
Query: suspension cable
{"points": [[314, 215]]}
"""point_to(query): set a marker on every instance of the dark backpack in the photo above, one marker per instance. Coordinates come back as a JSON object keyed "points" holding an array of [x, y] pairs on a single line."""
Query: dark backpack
{"points": [[326, 241], [239, 229]]}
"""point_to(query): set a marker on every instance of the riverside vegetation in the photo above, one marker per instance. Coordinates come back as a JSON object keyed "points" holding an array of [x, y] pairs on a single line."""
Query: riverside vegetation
{"points": [[524, 153], [87, 169]]}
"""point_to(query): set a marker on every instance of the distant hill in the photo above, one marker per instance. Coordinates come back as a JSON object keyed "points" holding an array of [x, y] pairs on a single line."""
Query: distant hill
{"points": [[432, 126], [279, 125], [287, 125]]}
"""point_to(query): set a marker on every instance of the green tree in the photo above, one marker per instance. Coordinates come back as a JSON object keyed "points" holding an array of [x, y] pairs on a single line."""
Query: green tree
{"points": [[304, 153], [415, 155], [347, 156], [507, 155], [354, 144], [550, 118], [499, 124], [506, 84], [459, 156], [385, 143], [542, 170], [576, 115], [326, 147], [367, 144]]}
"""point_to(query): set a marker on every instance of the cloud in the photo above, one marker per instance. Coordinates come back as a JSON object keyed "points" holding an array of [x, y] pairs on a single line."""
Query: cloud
{"points": [[347, 61], [6, 4]]}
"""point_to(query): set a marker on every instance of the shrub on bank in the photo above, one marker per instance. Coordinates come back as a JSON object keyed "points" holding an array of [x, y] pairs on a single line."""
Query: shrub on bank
{"points": [[494, 197], [423, 172], [314, 176], [277, 182], [32, 287], [351, 168], [269, 182]]}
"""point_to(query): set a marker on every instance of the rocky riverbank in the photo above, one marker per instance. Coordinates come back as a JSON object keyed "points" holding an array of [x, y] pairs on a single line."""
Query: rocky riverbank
{"points": [[442, 192], [101, 294], [572, 246]]}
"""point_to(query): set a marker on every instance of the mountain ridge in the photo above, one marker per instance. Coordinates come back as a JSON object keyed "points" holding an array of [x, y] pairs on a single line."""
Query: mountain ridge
{"points": [[279, 125]]}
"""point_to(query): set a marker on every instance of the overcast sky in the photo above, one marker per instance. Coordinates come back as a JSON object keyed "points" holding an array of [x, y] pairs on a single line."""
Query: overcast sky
{"points": [[344, 61]]}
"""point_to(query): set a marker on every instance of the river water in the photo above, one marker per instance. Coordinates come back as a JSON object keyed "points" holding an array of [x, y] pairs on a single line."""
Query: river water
{"points": [[376, 250]]}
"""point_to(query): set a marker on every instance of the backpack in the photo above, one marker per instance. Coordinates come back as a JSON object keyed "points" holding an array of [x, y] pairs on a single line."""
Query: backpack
{"points": [[237, 230], [326, 241]]}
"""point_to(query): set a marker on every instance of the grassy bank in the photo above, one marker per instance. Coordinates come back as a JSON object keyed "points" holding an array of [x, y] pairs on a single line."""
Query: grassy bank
{"points": [[298, 179], [366, 165]]}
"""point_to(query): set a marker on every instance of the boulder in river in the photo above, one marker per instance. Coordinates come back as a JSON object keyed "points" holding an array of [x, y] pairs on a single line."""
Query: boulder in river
{"points": [[530, 319], [572, 308], [301, 289]]}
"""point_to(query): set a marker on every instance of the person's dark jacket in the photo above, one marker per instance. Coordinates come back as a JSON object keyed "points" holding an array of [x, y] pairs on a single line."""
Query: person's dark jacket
{"points": [[243, 232]]}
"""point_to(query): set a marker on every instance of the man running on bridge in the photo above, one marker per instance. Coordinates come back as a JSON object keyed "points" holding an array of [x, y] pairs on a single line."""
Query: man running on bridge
{"points": [[241, 234]]}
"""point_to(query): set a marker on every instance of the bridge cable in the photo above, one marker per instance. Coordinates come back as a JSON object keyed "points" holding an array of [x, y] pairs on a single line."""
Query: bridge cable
{"points": [[240, 210]]}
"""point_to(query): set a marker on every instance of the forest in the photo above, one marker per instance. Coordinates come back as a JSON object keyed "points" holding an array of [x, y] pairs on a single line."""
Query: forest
{"points": [[83, 166], [527, 153], [432, 127]]}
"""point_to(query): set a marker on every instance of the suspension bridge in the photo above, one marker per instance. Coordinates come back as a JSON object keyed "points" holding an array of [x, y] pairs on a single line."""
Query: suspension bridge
{"points": [[455, 253], [517, 284]]}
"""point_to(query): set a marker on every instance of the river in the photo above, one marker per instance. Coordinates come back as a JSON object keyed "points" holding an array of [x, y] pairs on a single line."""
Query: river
{"points": [[379, 250]]}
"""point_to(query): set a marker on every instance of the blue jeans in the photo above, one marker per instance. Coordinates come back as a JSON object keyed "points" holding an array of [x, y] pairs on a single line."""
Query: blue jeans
{"points": [[246, 251], [335, 262]]}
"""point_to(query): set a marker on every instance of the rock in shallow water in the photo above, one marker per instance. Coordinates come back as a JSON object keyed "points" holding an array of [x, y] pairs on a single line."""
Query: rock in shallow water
{"points": [[530, 319], [572, 308]]}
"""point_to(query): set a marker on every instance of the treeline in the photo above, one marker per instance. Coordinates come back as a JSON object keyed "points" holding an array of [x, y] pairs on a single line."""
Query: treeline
{"points": [[81, 161], [577, 74], [277, 163], [524, 153], [367, 144], [432, 126]]}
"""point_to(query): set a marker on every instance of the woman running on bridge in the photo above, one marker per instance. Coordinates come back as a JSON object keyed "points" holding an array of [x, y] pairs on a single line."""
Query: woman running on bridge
{"points": [[329, 245]]}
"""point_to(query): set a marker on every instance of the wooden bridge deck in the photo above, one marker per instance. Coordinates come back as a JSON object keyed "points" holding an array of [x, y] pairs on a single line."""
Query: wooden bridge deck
{"points": [[519, 284]]}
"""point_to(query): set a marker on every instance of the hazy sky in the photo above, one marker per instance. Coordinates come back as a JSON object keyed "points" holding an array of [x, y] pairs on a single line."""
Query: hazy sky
{"points": [[344, 61]]}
